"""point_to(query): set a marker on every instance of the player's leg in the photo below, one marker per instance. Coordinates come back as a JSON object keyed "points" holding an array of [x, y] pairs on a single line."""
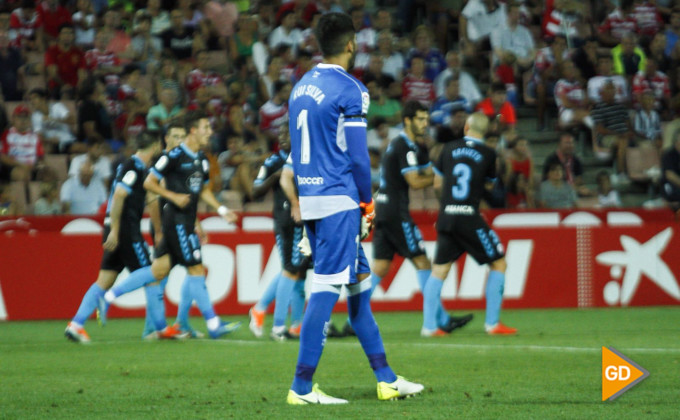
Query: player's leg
{"points": [[446, 252], [75, 330], [297, 308], [139, 278], [494, 299], [155, 309], [258, 311], [287, 239], [383, 252]]}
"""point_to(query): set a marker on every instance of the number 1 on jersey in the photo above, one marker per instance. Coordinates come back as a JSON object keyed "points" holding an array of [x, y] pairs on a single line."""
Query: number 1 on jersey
{"points": [[304, 140]]}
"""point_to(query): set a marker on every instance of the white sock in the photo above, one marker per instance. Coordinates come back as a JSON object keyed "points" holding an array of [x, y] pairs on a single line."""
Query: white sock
{"points": [[280, 329], [213, 323], [75, 324], [109, 296]]}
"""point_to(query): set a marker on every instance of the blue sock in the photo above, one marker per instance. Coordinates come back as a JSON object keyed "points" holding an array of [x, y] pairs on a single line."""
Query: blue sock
{"points": [[185, 300], [136, 279], [149, 324], [361, 317], [375, 281], [88, 304], [494, 296], [268, 294], [431, 301], [423, 275], [155, 306], [313, 336], [297, 302], [283, 291], [200, 294]]}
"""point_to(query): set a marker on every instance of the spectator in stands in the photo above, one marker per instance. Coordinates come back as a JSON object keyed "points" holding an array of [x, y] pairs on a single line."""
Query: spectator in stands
{"points": [[53, 15], [612, 129], [365, 38], [607, 196], [554, 192], [131, 121], [84, 24], [52, 121], [655, 81], [585, 58], [274, 113], [286, 33], [673, 34], [656, 51], [393, 61], [160, 115], [519, 162], [238, 126], [415, 86], [571, 99], [160, 18], [168, 78], [119, 40], [238, 168], [103, 63], [517, 192], [546, 74], [565, 18], [648, 18], [381, 105], [21, 149], [467, 84], [146, 48], [202, 76], [81, 194], [434, 60], [647, 122], [65, 65], [178, 40], [94, 123], [477, 20], [381, 134], [513, 42], [628, 58], [572, 168], [48, 203], [452, 99], [604, 75], [26, 27], [101, 164], [192, 16], [274, 67], [8, 202], [670, 173], [617, 23], [454, 129], [241, 44], [11, 70], [501, 113]]}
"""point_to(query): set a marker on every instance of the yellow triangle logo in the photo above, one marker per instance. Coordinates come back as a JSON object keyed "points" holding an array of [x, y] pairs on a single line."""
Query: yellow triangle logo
{"points": [[619, 374]]}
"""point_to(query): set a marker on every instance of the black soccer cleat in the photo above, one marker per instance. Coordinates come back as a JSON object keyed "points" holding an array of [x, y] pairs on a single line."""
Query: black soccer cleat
{"points": [[456, 322], [348, 331]]}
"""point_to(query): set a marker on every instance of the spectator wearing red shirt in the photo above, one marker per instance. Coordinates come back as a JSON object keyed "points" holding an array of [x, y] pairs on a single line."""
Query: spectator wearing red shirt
{"points": [[417, 87], [274, 113], [132, 121], [571, 98], [648, 18], [65, 64], [202, 76], [26, 27], [616, 24], [501, 113], [53, 15], [102, 62], [655, 81], [21, 149]]}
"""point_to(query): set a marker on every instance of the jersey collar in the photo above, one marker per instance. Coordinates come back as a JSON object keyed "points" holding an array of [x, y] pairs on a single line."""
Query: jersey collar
{"points": [[283, 154], [410, 142], [188, 151], [330, 66], [138, 162], [468, 138]]}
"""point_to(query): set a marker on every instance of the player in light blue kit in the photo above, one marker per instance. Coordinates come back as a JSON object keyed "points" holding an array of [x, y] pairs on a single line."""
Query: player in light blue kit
{"points": [[327, 110]]}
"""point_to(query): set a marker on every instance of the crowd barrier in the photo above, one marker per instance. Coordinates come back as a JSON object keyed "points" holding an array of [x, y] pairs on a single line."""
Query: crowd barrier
{"points": [[570, 259]]}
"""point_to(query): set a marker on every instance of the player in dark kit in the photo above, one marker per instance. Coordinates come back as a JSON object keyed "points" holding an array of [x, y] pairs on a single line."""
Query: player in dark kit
{"points": [[464, 170], [288, 287], [123, 243], [406, 164], [185, 170]]}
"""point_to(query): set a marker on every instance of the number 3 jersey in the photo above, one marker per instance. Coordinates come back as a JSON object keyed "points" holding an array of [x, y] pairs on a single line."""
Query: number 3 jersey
{"points": [[466, 166], [185, 172], [325, 102]]}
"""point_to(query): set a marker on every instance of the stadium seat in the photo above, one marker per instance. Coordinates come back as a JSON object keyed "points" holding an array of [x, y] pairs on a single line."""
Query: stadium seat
{"points": [[587, 202], [59, 163], [643, 164]]}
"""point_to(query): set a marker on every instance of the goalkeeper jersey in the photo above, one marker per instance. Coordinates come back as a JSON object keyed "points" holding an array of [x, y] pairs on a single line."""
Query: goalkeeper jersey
{"points": [[325, 103]]}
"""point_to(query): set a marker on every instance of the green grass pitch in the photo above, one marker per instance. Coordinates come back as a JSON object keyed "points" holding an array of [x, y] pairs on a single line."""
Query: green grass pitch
{"points": [[552, 369]]}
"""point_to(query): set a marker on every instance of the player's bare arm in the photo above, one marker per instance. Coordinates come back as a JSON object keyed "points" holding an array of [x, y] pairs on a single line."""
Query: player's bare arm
{"points": [[287, 183], [119, 196], [208, 197], [260, 189], [420, 179], [152, 184], [154, 207]]}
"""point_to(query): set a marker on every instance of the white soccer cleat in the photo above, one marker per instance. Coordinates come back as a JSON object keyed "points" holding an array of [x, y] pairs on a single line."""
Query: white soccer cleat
{"points": [[401, 388], [256, 322], [317, 396], [76, 333]]}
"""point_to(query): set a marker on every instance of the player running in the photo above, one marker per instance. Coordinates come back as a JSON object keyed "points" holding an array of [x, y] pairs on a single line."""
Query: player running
{"points": [[406, 164], [123, 243], [288, 286], [466, 168], [330, 160], [185, 170]]}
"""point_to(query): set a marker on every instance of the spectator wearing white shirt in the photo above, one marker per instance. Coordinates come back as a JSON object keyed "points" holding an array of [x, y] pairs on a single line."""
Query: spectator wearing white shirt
{"points": [[604, 76], [513, 41], [467, 83], [83, 22], [53, 122], [477, 20], [286, 33], [82, 194], [95, 157], [393, 61]]}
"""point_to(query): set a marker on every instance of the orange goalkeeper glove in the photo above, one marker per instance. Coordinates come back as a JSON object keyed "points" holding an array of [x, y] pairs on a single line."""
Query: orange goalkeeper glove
{"points": [[367, 216]]}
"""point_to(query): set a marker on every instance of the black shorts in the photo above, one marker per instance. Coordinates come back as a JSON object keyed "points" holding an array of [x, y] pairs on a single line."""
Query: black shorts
{"points": [[470, 234], [181, 243], [404, 238], [288, 235], [132, 253]]}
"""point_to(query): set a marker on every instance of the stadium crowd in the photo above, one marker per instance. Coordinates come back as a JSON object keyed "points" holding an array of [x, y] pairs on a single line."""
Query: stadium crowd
{"points": [[596, 79]]}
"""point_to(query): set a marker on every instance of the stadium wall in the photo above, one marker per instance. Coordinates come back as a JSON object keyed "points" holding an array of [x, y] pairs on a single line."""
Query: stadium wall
{"points": [[555, 260]]}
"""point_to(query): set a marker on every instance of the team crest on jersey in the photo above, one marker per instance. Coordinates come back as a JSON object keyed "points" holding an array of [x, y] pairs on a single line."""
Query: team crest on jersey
{"points": [[194, 182], [130, 178], [206, 165], [411, 158], [162, 163], [365, 102], [197, 254]]}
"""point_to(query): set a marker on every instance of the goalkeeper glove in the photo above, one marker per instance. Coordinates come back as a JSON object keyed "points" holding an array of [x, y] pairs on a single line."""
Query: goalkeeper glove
{"points": [[367, 216], [303, 245]]}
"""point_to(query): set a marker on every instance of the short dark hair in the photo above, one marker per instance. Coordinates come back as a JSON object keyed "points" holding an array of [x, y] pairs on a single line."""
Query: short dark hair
{"points": [[191, 119], [333, 32], [66, 26], [146, 139], [279, 85], [411, 108], [498, 87], [38, 91]]}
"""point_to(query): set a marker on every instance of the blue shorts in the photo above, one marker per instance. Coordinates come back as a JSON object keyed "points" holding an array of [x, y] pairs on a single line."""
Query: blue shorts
{"points": [[336, 251]]}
